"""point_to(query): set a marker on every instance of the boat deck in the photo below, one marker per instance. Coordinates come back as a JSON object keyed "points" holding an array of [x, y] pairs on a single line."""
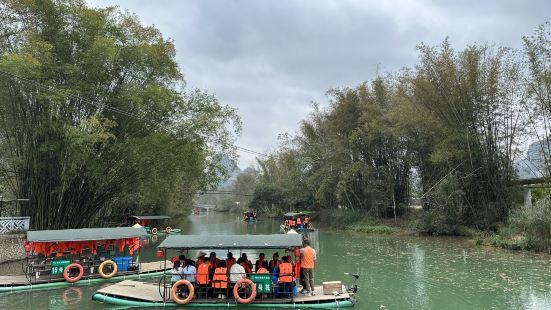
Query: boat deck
{"points": [[20, 280], [149, 292]]}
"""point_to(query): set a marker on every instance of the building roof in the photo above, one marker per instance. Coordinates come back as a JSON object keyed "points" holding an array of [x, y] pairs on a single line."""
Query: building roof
{"points": [[275, 241], [85, 234], [151, 217]]}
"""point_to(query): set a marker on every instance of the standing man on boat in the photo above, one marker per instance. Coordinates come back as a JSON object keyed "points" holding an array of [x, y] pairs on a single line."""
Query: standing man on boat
{"points": [[308, 263]]}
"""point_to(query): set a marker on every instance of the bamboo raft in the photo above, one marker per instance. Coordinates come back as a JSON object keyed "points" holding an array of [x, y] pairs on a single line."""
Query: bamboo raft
{"points": [[16, 283], [140, 294]]}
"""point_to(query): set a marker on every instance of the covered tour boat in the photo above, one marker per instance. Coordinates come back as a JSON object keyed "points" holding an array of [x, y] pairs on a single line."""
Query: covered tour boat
{"points": [[249, 216], [153, 224], [57, 258], [297, 221], [276, 288]]}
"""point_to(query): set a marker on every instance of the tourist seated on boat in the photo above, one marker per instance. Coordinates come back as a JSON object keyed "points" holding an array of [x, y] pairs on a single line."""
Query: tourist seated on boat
{"points": [[237, 271], [220, 279], [246, 263], [201, 256], [230, 260], [299, 223], [259, 261], [274, 262], [292, 223], [306, 221], [189, 271], [285, 277], [204, 272], [182, 259], [213, 260], [263, 268], [176, 272]]}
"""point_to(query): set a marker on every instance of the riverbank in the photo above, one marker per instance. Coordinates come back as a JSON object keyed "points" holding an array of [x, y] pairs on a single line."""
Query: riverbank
{"points": [[408, 225], [11, 247], [355, 221]]}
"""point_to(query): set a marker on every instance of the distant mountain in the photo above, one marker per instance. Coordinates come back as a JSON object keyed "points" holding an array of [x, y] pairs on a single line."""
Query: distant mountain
{"points": [[233, 171], [533, 166]]}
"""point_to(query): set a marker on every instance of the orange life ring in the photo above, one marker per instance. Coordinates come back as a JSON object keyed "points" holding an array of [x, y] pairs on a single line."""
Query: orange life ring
{"points": [[242, 282], [67, 300], [68, 268], [174, 292], [107, 275], [154, 230]]}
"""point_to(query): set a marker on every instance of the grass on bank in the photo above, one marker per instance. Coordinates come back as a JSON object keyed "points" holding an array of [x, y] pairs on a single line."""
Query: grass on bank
{"points": [[527, 229], [359, 222]]}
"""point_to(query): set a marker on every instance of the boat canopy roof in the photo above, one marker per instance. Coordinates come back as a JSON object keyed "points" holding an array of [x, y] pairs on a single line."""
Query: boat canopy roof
{"points": [[85, 234], [293, 214], [151, 217], [197, 242]]}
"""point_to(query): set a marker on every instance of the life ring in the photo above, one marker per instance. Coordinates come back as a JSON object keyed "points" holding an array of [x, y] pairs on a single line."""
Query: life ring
{"points": [[154, 238], [107, 275], [66, 275], [67, 300], [243, 282], [174, 292], [154, 230], [168, 229]]}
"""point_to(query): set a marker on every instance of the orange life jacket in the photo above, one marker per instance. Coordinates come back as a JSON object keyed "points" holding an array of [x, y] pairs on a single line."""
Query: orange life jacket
{"points": [[220, 279], [258, 264], [307, 259], [291, 223], [230, 262], [299, 221], [285, 273], [262, 270], [202, 276]]}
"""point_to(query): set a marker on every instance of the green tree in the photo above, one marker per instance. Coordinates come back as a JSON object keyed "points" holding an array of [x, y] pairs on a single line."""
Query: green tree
{"points": [[94, 117]]}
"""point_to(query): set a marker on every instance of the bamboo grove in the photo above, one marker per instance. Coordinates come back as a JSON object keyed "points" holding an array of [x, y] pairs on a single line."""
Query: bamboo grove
{"points": [[446, 132], [95, 117]]}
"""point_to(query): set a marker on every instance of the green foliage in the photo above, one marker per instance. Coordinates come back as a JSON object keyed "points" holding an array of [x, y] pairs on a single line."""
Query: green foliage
{"points": [[281, 185], [446, 212], [357, 221], [94, 118], [535, 222], [456, 121], [375, 229]]}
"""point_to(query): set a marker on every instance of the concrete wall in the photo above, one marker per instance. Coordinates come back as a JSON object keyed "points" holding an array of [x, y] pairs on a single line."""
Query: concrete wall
{"points": [[11, 247]]}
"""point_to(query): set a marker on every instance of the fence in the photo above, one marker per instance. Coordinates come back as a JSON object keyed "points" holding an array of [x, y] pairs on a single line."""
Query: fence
{"points": [[8, 224]]}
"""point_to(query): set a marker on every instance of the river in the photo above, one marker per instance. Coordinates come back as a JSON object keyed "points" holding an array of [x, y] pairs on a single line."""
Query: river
{"points": [[396, 272]]}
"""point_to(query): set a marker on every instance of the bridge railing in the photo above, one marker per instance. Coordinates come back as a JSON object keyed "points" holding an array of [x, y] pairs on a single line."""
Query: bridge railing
{"points": [[8, 224]]}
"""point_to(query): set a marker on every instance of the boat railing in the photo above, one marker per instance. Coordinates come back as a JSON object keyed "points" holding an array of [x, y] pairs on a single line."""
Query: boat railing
{"points": [[48, 269], [267, 286]]}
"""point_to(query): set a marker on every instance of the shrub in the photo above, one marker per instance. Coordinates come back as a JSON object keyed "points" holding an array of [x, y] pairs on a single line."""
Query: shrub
{"points": [[374, 229], [444, 209], [535, 222]]}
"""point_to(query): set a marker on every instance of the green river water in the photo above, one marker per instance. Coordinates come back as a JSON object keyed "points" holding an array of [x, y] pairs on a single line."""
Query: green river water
{"points": [[396, 272]]}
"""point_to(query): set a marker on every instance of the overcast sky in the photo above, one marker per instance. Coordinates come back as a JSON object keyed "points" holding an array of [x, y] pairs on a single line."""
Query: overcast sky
{"points": [[271, 59]]}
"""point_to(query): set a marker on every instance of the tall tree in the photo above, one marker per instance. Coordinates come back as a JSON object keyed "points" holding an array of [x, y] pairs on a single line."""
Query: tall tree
{"points": [[94, 116]]}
